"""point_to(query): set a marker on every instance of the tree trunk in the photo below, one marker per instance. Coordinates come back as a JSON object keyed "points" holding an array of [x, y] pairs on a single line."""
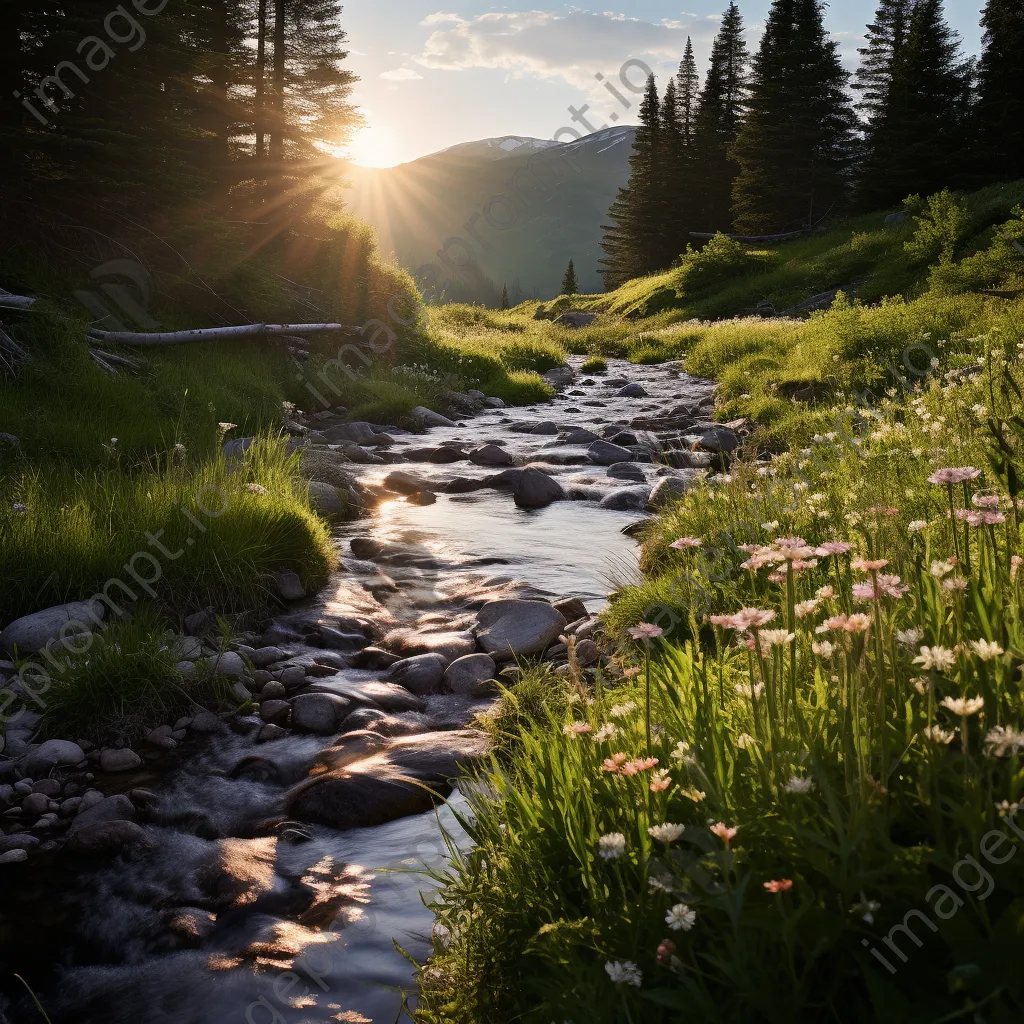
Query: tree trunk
{"points": [[278, 119], [259, 115]]}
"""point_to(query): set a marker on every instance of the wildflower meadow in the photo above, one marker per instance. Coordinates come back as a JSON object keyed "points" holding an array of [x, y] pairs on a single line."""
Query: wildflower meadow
{"points": [[798, 796]]}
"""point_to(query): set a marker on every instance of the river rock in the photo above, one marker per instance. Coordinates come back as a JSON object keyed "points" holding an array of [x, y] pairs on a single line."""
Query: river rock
{"points": [[420, 674], [580, 436], [547, 428], [465, 674], [267, 656], [633, 391], [35, 805], [327, 499], [535, 489], [273, 691], [374, 658], [31, 633], [289, 587], [231, 665], [494, 403], [13, 857], [449, 645], [408, 776], [429, 418], [587, 653], [274, 711], [319, 713], [53, 754], [21, 841], [717, 440], [105, 836], [627, 471], [111, 808], [359, 433], [490, 455], [513, 628], [122, 760], [206, 722], [572, 609], [335, 640], [627, 499], [604, 453], [668, 489], [404, 483], [391, 697]]}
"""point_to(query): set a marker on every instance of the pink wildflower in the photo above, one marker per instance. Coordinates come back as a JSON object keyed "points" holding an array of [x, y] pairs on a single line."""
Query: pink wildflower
{"points": [[833, 547], [882, 510], [613, 763], [645, 631], [848, 623], [577, 729], [954, 476], [724, 832], [869, 564], [666, 950], [879, 587], [989, 501], [686, 542], [779, 885]]}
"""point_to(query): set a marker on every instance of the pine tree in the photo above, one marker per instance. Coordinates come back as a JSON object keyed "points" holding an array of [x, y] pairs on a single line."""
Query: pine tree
{"points": [[505, 304], [797, 143], [677, 166], [917, 140], [687, 90], [719, 116], [885, 38], [638, 213], [1001, 102], [570, 286]]}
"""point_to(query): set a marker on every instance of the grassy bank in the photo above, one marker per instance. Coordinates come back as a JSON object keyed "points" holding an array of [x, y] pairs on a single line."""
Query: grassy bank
{"points": [[864, 747], [794, 797]]}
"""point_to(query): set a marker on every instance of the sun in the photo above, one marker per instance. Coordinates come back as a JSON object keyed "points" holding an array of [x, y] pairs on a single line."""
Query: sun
{"points": [[372, 146]]}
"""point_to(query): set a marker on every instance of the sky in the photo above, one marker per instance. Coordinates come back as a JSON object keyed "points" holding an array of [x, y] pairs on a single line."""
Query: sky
{"points": [[434, 76]]}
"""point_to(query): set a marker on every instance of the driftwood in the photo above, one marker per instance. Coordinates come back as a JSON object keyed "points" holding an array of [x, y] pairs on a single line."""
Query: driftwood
{"points": [[11, 301], [706, 236], [218, 333]]}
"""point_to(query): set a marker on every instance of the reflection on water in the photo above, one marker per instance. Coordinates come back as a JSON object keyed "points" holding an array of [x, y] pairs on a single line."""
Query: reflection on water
{"points": [[563, 549]]}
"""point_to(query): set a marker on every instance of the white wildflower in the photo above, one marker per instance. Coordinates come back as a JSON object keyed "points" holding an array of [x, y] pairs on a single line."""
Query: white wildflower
{"points": [[680, 918], [611, 846], [666, 833], [624, 972]]}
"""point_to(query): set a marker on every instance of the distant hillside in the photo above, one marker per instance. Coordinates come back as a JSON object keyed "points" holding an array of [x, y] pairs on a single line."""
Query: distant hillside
{"points": [[562, 193]]}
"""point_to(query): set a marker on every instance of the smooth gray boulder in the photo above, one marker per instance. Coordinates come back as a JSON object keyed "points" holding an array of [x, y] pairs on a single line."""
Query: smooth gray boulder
{"points": [[465, 674], [123, 760], [580, 436], [429, 418], [604, 453], [319, 713], [547, 428], [633, 391], [405, 483], [490, 455], [627, 471], [106, 836], [360, 433], [511, 628], [627, 499], [572, 609], [111, 808], [449, 645], [360, 784], [327, 499], [53, 754], [289, 586], [718, 440], [31, 633], [420, 674], [535, 489], [230, 664]]}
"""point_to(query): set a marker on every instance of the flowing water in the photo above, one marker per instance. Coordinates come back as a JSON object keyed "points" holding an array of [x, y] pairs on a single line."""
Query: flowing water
{"points": [[223, 919]]}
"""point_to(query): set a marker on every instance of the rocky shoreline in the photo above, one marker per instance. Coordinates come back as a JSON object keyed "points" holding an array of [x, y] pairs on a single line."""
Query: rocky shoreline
{"points": [[354, 708]]}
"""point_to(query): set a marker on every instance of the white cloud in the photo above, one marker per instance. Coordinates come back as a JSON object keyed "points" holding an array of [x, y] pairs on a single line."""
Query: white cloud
{"points": [[545, 44], [402, 75]]}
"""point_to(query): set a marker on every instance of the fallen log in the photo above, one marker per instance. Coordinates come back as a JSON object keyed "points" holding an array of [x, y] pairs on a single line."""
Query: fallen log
{"points": [[706, 236], [218, 333], [11, 301]]}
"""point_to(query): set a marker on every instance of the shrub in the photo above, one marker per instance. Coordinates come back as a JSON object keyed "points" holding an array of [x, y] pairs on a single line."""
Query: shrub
{"points": [[719, 261], [595, 364]]}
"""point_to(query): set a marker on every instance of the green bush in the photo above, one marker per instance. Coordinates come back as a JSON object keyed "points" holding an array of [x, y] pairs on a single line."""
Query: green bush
{"points": [[719, 261], [595, 364]]}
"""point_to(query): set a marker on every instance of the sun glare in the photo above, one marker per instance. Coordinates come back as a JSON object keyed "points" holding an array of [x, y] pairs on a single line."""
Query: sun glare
{"points": [[373, 146]]}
